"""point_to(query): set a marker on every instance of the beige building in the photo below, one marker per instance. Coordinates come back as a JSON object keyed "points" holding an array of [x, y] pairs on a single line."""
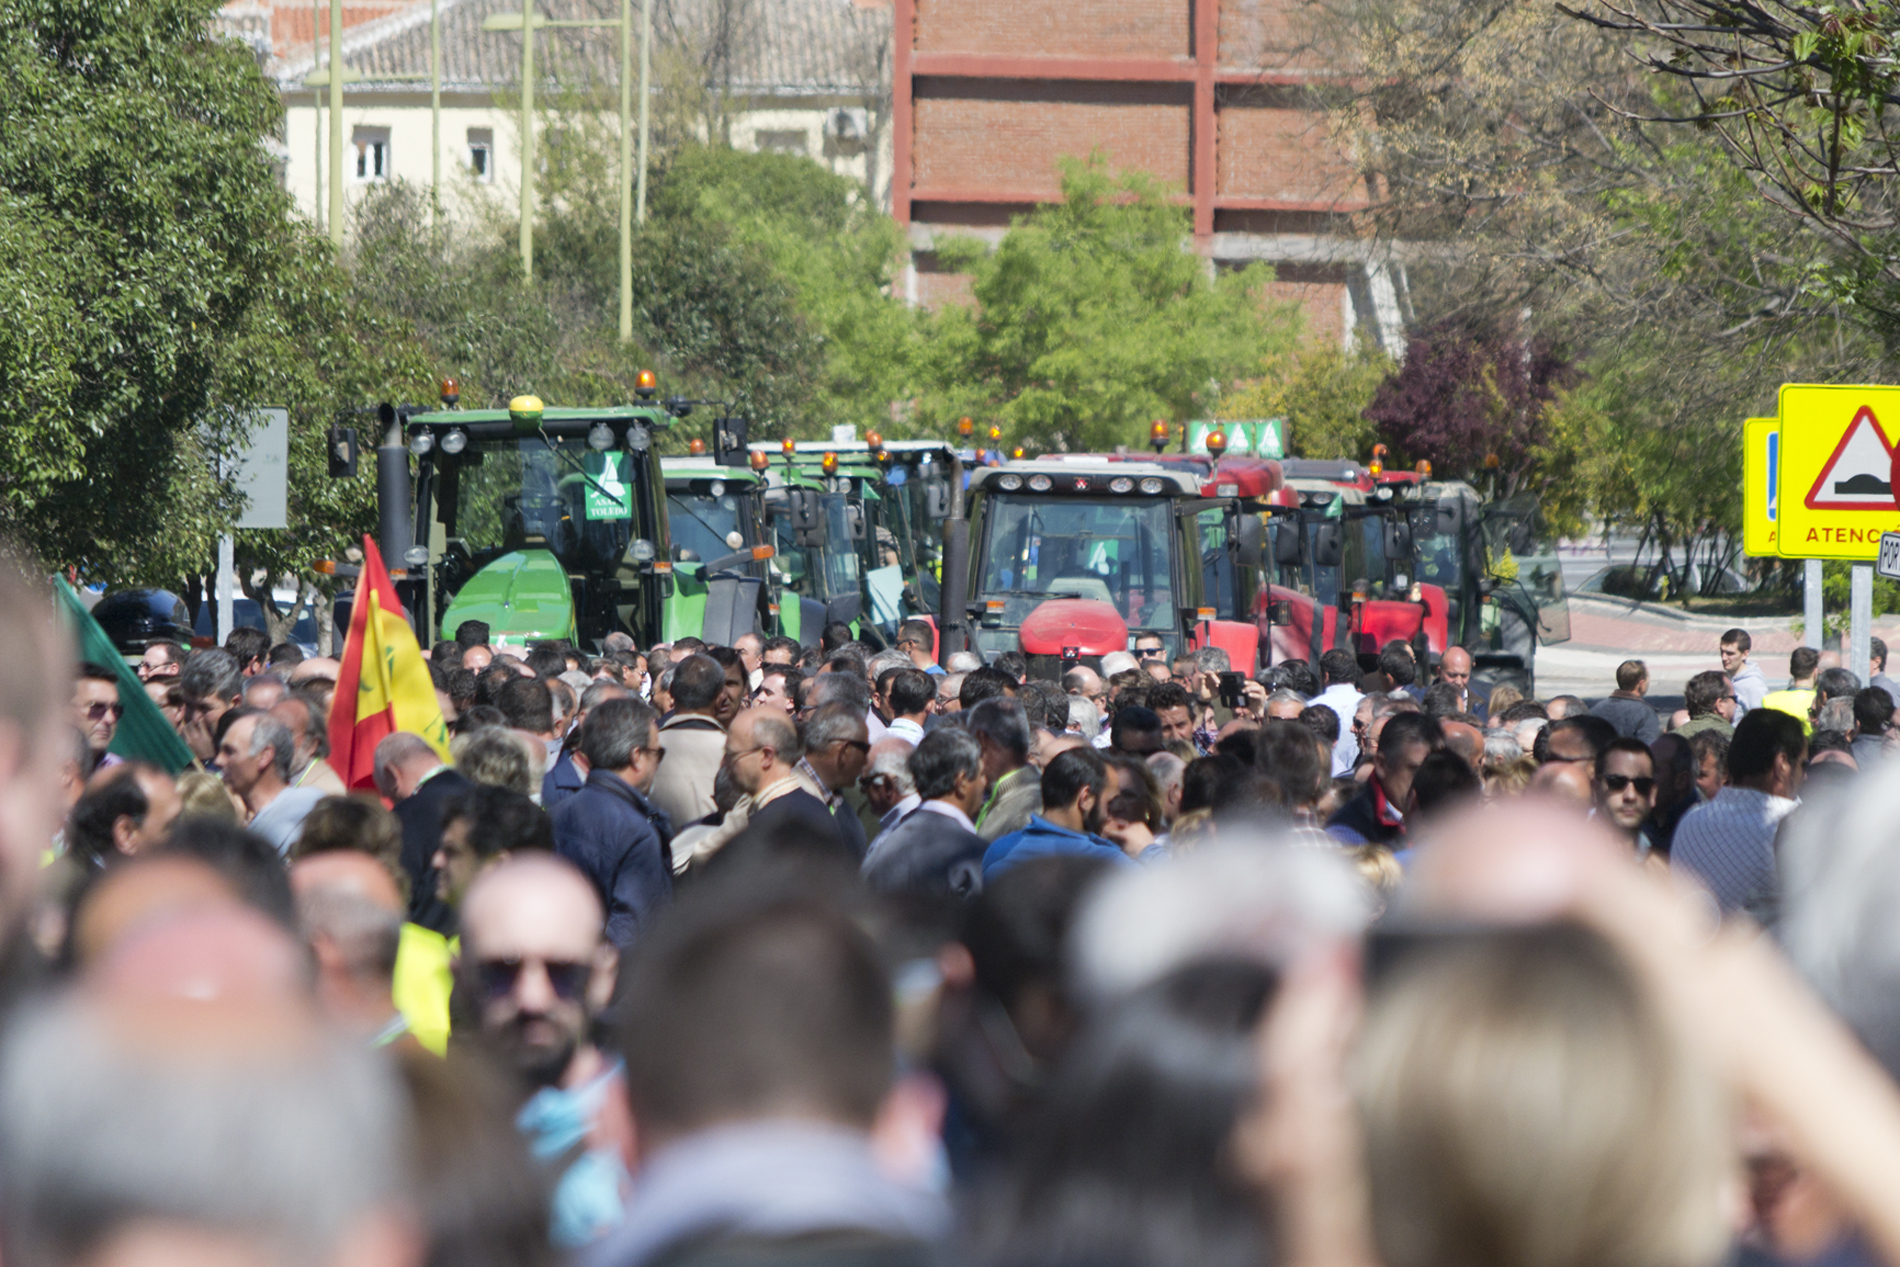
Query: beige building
{"points": [[807, 77]]}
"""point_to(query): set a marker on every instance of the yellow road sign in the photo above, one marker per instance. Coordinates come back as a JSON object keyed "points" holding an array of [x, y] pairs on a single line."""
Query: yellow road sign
{"points": [[1761, 453], [1835, 492]]}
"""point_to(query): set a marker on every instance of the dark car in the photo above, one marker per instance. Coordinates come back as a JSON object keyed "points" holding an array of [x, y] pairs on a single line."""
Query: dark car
{"points": [[246, 614], [134, 619]]}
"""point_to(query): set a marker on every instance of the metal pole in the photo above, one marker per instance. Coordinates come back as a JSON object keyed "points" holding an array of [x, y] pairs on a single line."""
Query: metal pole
{"points": [[392, 494], [527, 140], [226, 571], [435, 108], [336, 124], [646, 71], [1860, 619], [316, 101], [1811, 605], [626, 168]]}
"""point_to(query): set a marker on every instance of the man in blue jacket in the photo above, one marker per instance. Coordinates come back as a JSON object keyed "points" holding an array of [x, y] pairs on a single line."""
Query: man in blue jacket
{"points": [[566, 777], [609, 829], [1074, 791]]}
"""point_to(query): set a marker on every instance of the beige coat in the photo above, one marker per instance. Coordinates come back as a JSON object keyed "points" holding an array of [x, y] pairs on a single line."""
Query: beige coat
{"points": [[695, 744]]}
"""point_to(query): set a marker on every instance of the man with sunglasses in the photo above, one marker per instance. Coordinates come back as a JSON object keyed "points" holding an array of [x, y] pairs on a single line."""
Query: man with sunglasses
{"points": [[97, 709], [535, 965], [915, 638], [837, 748], [1624, 791], [762, 758], [609, 829]]}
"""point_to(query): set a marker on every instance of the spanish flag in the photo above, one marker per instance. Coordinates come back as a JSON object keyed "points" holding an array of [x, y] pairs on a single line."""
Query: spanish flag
{"points": [[384, 673]]}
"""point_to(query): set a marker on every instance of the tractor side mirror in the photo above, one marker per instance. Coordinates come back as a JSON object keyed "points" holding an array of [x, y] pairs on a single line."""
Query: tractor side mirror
{"points": [[844, 609], [1249, 541], [1286, 543], [1398, 540], [1329, 544], [937, 499], [808, 517], [1451, 516], [729, 441], [854, 519]]}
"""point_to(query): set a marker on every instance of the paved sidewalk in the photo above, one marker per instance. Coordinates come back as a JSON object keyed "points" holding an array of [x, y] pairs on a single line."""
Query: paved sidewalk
{"points": [[1675, 645]]}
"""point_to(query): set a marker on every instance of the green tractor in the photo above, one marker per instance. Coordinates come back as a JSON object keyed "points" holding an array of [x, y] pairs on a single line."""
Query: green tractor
{"points": [[544, 523], [858, 531], [721, 548]]}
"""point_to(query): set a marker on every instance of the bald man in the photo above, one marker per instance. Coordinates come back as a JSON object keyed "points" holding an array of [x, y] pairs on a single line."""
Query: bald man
{"points": [[761, 758], [1567, 782], [537, 962], [351, 914], [1454, 669]]}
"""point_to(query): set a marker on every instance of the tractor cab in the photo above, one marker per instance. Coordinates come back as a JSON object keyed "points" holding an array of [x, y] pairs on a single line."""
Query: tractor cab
{"points": [[1074, 557], [1496, 564], [856, 524], [721, 549], [544, 523]]}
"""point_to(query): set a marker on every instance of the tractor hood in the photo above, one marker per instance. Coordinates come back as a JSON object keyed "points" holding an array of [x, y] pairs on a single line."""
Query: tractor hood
{"points": [[1071, 627], [523, 595]]}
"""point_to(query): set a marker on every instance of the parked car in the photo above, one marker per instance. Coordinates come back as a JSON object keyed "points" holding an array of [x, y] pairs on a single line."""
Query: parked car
{"points": [[136, 618], [246, 613], [1657, 583]]}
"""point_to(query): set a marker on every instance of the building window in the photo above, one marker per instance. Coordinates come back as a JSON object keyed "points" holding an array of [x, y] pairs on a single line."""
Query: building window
{"points": [[372, 154], [481, 154], [782, 142]]}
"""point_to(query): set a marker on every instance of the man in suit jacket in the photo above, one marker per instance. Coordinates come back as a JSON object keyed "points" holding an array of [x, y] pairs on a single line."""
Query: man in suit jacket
{"points": [[694, 741], [1001, 728], [837, 748], [936, 851], [411, 775], [762, 755], [609, 829]]}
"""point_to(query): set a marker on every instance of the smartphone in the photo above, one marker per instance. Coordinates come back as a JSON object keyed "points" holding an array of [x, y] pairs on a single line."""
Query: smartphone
{"points": [[1233, 691]]}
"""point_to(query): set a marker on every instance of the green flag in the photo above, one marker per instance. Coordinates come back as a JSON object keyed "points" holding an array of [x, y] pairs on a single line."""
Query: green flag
{"points": [[143, 734]]}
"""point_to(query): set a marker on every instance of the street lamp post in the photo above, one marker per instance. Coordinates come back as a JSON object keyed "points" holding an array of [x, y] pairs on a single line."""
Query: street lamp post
{"points": [[435, 110], [337, 72], [526, 22]]}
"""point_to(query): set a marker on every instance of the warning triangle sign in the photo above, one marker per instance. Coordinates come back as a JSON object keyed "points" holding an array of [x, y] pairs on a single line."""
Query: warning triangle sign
{"points": [[1859, 474]]}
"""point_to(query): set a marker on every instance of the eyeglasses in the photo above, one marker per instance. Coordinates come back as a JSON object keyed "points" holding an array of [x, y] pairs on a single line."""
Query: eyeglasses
{"points": [[98, 709], [732, 758], [860, 744], [1617, 782], [659, 754], [499, 977]]}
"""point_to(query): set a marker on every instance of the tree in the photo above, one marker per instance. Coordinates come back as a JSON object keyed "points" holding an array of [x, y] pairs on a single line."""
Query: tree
{"points": [[1471, 399], [1089, 319], [1518, 179], [140, 225], [1802, 98], [1322, 392], [832, 247]]}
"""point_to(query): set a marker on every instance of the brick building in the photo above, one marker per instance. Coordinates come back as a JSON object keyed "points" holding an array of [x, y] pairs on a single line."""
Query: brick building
{"points": [[1209, 95], [805, 77]]}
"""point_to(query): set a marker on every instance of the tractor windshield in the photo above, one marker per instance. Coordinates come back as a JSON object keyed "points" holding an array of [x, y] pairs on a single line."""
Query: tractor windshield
{"points": [[1116, 552], [821, 573], [557, 494], [703, 527], [1439, 554], [1521, 560]]}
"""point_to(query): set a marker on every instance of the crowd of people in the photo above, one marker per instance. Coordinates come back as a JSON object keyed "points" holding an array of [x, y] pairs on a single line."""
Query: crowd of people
{"points": [[775, 955]]}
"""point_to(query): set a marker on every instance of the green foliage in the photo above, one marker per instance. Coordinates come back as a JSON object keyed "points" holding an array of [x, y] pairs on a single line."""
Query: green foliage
{"points": [[140, 224], [838, 254], [1090, 319], [1322, 391], [1837, 593]]}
